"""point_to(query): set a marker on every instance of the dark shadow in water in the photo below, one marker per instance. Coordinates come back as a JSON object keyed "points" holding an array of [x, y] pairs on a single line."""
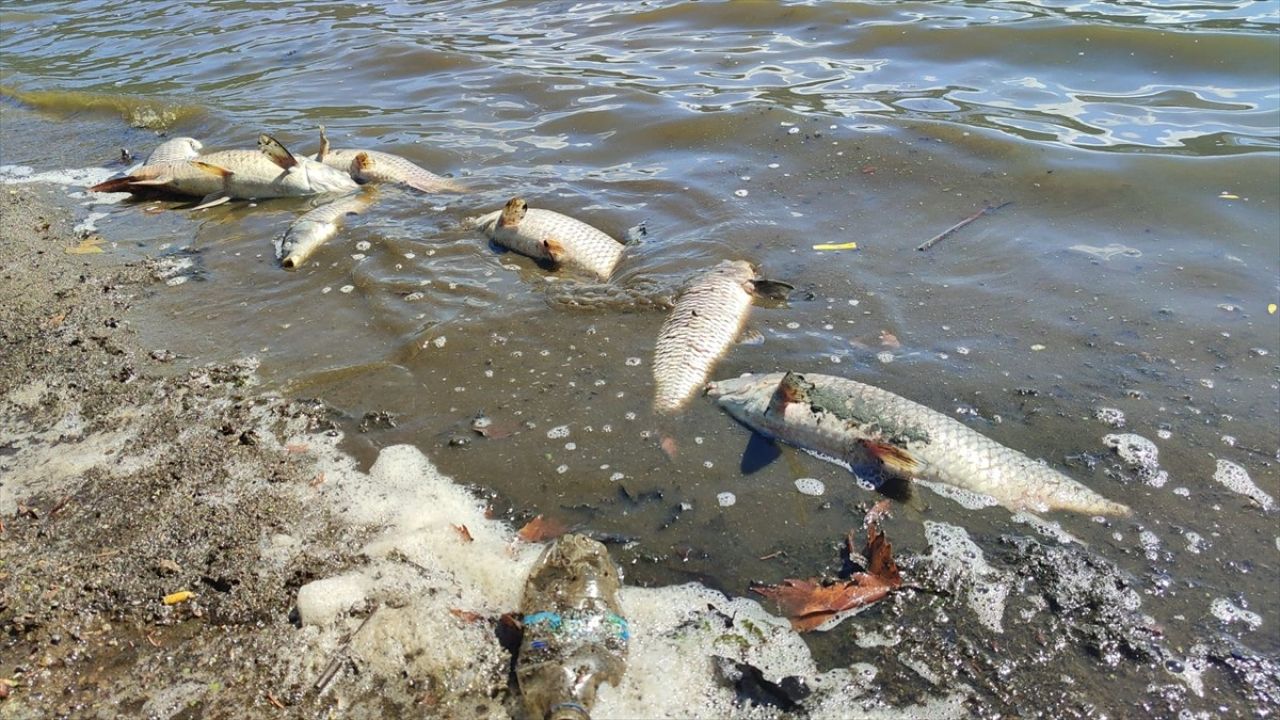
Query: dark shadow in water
{"points": [[760, 451]]}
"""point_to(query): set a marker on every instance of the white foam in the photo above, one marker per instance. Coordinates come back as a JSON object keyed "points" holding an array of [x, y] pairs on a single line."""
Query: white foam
{"points": [[1134, 450], [71, 177], [967, 499], [1228, 612], [963, 561], [1111, 416], [810, 486], [1236, 479]]}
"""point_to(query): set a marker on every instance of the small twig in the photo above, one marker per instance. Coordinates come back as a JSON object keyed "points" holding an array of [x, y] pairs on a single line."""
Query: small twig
{"points": [[272, 699], [772, 555], [942, 235], [335, 664]]}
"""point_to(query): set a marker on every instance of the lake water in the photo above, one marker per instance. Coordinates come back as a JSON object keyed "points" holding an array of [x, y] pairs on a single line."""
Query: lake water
{"points": [[1132, 270]]}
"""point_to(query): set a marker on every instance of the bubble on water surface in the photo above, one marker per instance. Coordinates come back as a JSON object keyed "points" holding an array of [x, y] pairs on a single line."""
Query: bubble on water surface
{"points": [[810, 486], [726, 499], [346, 289], [1236, 479], [1228, 612], [557, 432], [1111, 416]]}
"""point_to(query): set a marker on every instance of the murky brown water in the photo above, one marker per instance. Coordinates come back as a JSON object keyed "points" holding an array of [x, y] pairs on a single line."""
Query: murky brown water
{"points": [[1136, 143]]}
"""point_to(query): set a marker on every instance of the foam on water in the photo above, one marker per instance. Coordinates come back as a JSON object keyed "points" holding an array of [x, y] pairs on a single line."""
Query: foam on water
{"points": [[1228, 612], [425, 578], [1236, 479], [71, 177], [965, 565]]}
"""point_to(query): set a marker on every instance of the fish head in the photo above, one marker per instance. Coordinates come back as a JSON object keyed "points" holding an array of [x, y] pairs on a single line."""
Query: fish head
{"points": [[746, 398], [323, 179], [191, 146], [513, 212]]}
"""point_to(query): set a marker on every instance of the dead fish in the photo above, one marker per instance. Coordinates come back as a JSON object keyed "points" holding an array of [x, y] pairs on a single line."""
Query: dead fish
{"points": [[575, 636], [268, 172], [548, 235], [378, 166], [853, 422], [175, 150], [315, 227], [707, 318]]}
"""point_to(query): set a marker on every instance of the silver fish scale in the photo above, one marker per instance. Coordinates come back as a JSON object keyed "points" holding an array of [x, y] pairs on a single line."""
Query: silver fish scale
{"points": [[706, 319], [392, 168], [174, 150], [316, 226], [584, 246], [947, 450]]}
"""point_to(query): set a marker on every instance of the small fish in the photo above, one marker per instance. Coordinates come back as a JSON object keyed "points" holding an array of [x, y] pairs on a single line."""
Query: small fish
{"points": [[378, 166], [853, 422], [575, 636], [271, 171], [314, 228], [548, 235], [707, 318], [175, 150]]}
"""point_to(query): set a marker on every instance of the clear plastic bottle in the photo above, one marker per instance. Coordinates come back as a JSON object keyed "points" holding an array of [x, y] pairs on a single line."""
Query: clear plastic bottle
{"points": [[575, 636]]}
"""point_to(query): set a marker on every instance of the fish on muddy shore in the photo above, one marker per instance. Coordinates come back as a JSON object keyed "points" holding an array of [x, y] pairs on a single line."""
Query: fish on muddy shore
{"points": [[268, 172], [707, 318], [547, 235], [855, 423], [384, 167], [315, 227]]}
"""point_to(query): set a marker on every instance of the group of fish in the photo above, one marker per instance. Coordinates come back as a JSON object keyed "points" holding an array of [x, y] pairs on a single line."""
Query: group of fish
{"points": [[882, 436]]}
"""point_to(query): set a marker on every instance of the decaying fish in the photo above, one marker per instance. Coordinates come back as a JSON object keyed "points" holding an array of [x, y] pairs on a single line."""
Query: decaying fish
{"points": [[268, 172], [707, 318], [575, 636], [548, 235], [853, 423], [378, 166], [314, 228], [175, 150]]}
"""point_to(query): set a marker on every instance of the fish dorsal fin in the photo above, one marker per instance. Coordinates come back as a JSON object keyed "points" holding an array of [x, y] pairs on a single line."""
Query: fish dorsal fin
{"points": [[361, 164], [324, 145], [771, 289], [793, 388], [277, 152], [513, 212], [212, 169]]}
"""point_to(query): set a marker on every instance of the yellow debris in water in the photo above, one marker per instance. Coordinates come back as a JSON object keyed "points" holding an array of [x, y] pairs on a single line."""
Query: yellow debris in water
{"points": [[91, 244], [178, 597], [1228, 196], [836, 246], [1271, 308]]}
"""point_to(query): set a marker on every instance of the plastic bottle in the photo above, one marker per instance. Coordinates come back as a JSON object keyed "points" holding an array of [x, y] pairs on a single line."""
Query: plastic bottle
{"points": [[575, 636]]}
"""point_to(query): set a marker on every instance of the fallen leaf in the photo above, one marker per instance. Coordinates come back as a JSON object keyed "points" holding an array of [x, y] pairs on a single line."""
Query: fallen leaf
{"points": [[178, 597], [869, 170], [889, 340], [810, 603], [541, 529], [466, 615], [464, 532]]}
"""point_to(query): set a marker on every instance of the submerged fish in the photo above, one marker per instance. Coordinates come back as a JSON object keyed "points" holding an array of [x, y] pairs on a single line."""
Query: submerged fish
{"points": [[378, 166], [175, 150], [270, 171], [853, 422], [548, 235], [707, 318], [575, 636], [314, 228]]}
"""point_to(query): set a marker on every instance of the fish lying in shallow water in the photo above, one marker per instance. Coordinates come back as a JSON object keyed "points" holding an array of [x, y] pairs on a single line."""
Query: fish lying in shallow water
{"points": [[378, 166], [268, 172], [314, 228], [548, 235], [706, 320], [853, 422]]}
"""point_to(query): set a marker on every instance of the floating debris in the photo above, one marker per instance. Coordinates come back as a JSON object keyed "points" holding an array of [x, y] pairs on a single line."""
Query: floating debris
{"points": [[726, 499], [1107, 252], [1236, 479], [1110, 416], [836, 246], [810, 486]]}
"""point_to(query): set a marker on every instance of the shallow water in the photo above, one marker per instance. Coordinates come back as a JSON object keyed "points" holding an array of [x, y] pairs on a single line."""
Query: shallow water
{"points": [[1136, 142]]}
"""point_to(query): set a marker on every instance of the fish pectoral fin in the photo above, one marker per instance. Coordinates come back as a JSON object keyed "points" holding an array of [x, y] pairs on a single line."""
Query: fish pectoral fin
{"points": [[771, 289], [324, 145], [211, 200], [792, 388], [276, 152], [759, 453], [212, 169], [554, 249], [894, 458], [162, 180]]}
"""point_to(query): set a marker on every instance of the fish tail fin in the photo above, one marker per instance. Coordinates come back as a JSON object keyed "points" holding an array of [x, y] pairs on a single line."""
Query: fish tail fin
{"points": [[120, 184], [324, 145], [278, 153]]}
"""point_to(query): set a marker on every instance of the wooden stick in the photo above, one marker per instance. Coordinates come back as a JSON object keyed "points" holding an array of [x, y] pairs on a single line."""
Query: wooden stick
{"points": [[940, 236]]}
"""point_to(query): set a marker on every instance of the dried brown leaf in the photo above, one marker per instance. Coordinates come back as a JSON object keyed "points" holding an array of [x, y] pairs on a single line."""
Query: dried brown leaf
{"points": [[464, 533], [541, 529], [466, 615]]}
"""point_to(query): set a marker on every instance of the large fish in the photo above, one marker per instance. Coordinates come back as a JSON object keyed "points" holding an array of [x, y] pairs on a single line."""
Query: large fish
{"points": [[268, 172], [378, 166], [853, 423], [548, 235], [706, 320], [315, 227]]}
